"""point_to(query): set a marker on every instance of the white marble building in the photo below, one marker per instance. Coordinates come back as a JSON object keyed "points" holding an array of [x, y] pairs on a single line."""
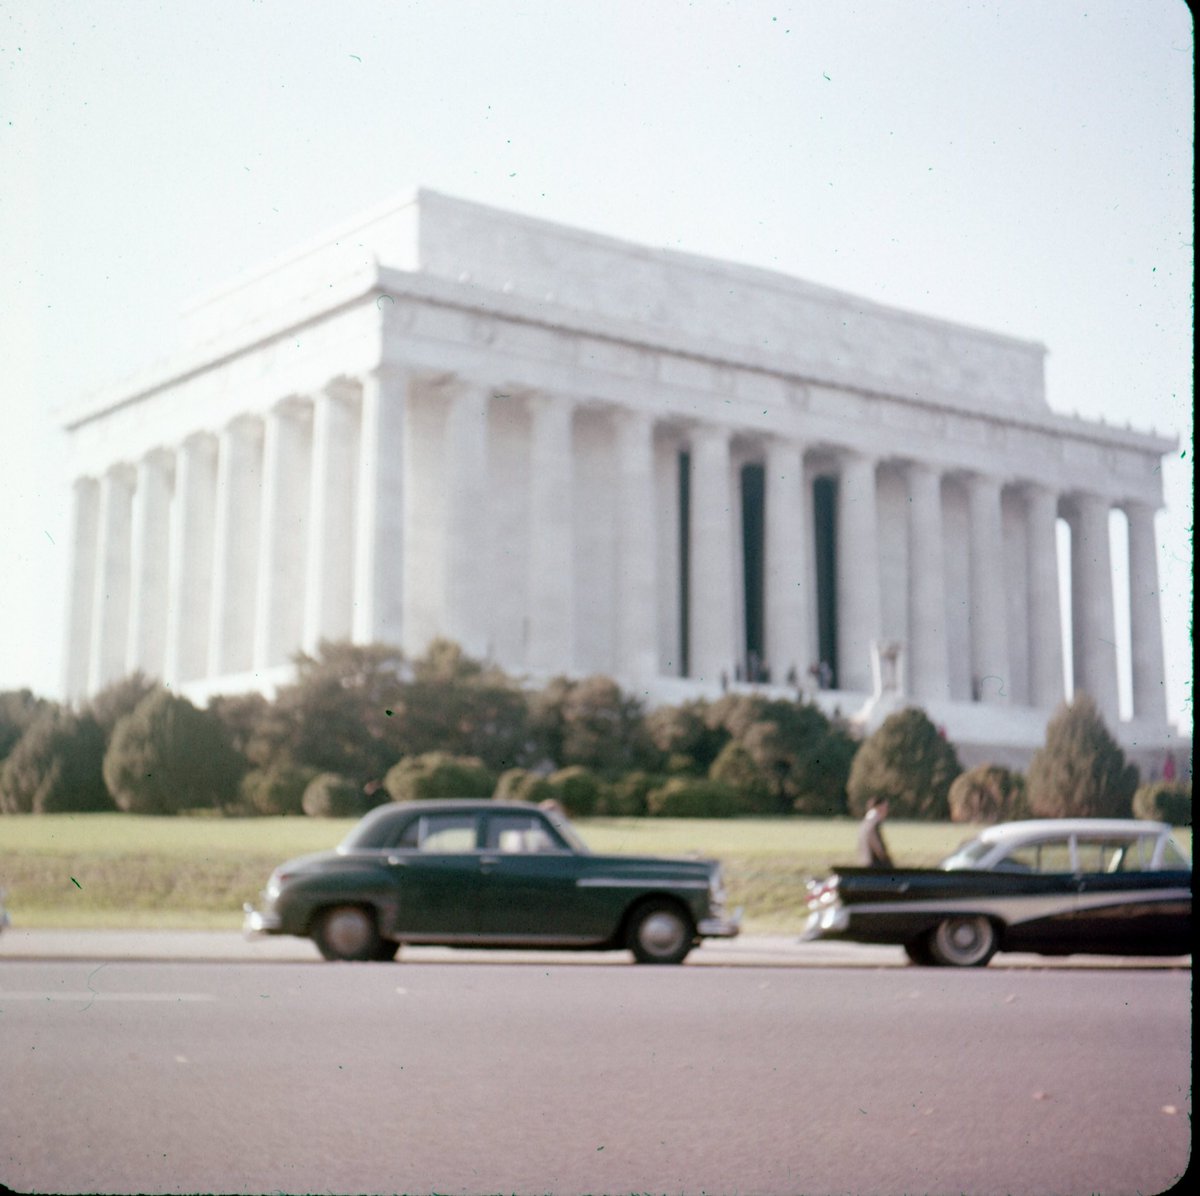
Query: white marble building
{"points": [[576, 455]]}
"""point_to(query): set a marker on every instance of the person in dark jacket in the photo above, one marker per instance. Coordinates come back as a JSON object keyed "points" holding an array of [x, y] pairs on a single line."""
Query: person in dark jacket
{"points": [[872, 850]]}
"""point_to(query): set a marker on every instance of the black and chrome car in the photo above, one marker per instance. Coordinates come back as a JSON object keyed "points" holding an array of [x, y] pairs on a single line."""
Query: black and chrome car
{"points": [[488, 874], [1050, 886]]}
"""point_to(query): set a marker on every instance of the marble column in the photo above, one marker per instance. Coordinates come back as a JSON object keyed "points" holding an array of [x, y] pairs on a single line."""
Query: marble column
{"points": [[787, 581], [551, 601], [714, 575], [110, 610], [151, 546], [1093, 618], [237, 533], [381, 510], [1145, 616], [81, 586], [190, 565], [1046, 684], [860, 618], [989, 632], [928, 661], [287, 462], [467, 541], [329, 581], [636, 588]]}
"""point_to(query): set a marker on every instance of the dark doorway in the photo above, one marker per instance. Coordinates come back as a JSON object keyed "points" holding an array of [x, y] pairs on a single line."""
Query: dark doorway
{"points": [[685, 562], [825, 529], [753, 509]]}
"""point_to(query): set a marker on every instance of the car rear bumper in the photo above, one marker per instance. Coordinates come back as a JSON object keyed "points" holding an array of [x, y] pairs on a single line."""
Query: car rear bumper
{"points": [[255, 922], [831, 919]]}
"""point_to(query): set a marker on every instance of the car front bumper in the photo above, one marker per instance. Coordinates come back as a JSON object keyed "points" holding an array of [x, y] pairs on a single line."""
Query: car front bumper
{"points": [[255, 922], [721, 928]]}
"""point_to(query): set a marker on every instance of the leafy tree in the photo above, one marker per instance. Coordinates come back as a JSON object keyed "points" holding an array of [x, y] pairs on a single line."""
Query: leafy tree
{"points": [[436, 775], [339, 715], [576, 789], [56, 766], [686, 737], [246, 718], [169, 756], [1080, 771], [907, 761], [330, 796], [18, 709], [120, 698], [593, 724], [988, 793], [1164, 801]]}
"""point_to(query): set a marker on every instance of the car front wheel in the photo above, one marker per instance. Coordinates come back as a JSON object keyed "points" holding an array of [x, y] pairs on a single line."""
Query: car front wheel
{"points": [[349, 932], [963, 942], [660, 933]]}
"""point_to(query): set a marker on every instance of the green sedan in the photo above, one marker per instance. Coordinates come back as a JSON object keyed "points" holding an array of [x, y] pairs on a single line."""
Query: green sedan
{"points": [[483, 873]]}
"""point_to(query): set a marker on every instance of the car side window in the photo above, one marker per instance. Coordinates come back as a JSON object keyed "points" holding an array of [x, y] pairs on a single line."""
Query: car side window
{"points": [[520, 834], [1054, 855], [443, 833], [1107, 855]]}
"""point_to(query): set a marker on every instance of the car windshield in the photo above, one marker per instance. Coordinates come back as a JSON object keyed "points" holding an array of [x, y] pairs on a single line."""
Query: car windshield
{"points": [[968, 855], [568, 832]]}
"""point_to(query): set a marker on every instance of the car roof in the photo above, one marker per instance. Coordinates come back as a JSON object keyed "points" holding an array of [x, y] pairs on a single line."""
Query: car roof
{"points": [[1034, 828]]}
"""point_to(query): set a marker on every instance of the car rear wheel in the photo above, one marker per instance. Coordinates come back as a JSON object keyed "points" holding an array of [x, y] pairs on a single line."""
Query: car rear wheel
{"points": [[964, 942], [349, 932], [660, 933]]}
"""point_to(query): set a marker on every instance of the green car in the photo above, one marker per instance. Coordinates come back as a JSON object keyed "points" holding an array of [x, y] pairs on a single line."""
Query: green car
{"points": [[488, 874]]}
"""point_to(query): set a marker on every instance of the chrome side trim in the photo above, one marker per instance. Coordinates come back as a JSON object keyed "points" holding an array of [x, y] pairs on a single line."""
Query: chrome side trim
{"points": [[622, 882]]}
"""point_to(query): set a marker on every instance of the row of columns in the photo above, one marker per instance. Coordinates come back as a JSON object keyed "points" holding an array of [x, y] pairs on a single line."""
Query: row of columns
{"points": [[229, 552]]}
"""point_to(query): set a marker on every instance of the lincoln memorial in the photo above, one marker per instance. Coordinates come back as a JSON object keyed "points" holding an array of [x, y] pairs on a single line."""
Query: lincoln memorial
{"points": [[575, 455]]}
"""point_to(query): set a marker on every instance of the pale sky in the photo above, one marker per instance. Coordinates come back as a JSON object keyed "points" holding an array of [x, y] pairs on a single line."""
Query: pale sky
{"points": [[1024, 167]]}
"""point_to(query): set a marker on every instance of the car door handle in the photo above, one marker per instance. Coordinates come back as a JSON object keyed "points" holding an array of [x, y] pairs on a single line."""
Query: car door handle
{"points": [[397, 861], [488, 862]]}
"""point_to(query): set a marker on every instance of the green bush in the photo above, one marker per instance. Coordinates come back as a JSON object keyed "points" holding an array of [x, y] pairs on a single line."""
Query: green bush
{"points": [[328, 795], [276, 790], [737, 769], [168, 756], [576, 789], [688, 797], [1164, 801], [56, 767], [1081, 771], [988, 793], [626, 797], [908, 762], [437, 775]]}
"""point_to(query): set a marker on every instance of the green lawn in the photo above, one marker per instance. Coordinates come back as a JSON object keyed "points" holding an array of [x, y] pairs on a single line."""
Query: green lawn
{"points": [[120, 870]]}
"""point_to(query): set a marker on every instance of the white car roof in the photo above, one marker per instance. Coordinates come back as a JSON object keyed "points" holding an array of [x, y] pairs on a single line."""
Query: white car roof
{"points": [[1037, 828]]}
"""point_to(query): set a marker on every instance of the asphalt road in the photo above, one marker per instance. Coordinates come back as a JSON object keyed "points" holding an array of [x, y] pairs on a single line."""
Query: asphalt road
{"points": [[557, 1076]]}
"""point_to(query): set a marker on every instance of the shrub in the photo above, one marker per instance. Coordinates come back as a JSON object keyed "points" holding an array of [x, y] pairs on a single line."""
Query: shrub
{"points": [[737, 769], [1164, 801], [276, 790], [1080, 772], [328, 795], [56, 767], [168, 756], [988, 793], [688, 797], [908, 762], [576, 789], [438, 774], [627, 796]]}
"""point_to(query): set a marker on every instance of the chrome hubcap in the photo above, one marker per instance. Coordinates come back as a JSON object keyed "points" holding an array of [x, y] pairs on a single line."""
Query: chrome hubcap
{"points": [[662, 933]]}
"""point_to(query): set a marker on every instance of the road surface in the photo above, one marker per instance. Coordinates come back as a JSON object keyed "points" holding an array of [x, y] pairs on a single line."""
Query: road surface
{"points": [[561, 1075]]}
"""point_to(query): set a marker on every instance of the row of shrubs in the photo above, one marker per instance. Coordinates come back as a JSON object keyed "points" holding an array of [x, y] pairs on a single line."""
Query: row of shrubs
{"points": [[361, 725], [984, 794]]}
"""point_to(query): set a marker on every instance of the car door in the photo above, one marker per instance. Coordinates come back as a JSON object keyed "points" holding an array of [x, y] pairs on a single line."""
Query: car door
{"points": [[435, 874], [528, 889], [1125, 906]]}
